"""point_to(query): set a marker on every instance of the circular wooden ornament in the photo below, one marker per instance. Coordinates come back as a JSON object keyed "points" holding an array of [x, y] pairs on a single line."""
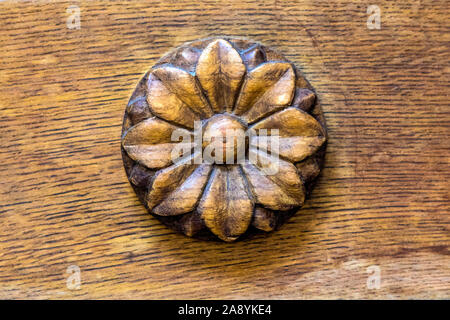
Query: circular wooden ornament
{"points": [[223, 138]]}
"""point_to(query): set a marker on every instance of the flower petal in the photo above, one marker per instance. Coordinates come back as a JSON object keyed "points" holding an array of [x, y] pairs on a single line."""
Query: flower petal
{"points": [[264, 219], [303, 99], [300, 135], [220, 70], [138, 110], [166, 105], [185, 86], [309, 169], [191, 223], [254, 56], [184, 198], [226, 206], [277, 191], [140, 176], [186, 58], [266, 89], [149, 142], [169, 179]]}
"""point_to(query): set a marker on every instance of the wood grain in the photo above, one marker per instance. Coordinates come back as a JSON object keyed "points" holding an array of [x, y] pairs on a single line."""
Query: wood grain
{"points": [[381, 200], [260, 92]]}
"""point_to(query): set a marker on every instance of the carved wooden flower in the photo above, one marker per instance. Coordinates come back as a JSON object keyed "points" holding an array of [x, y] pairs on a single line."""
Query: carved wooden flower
{"points": [[222, 84]]}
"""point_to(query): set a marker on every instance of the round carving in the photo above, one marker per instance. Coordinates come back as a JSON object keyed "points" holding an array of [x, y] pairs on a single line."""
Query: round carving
{"points": [[223, 137]]}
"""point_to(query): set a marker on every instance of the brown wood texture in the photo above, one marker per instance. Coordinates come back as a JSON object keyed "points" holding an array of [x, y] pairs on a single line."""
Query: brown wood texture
{"points": [[382, 200], [238, 89]]}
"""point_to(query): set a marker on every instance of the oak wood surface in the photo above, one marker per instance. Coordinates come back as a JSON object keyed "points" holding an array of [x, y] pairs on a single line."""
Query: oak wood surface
{"points": [[382, 199]]}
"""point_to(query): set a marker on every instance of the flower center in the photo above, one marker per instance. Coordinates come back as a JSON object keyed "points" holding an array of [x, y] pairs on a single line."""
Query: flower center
{"points": [[224, 139]]}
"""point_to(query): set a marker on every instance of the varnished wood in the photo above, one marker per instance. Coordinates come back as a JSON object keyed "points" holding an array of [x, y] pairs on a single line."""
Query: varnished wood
{"points": [[237, 102], [381, 200]]}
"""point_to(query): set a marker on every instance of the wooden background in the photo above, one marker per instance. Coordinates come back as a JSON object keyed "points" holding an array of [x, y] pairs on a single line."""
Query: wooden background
{"points": [[382, 200]]}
